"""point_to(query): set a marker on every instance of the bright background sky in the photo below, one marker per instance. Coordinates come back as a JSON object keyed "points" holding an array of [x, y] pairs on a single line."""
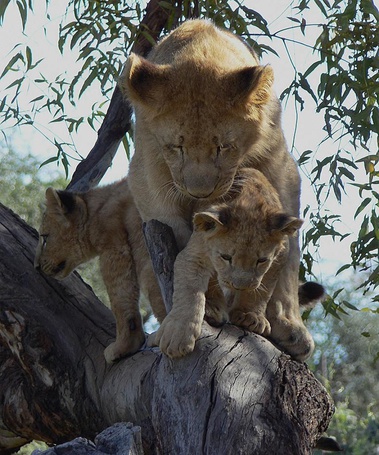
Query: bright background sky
{"points": [[42, 35]]}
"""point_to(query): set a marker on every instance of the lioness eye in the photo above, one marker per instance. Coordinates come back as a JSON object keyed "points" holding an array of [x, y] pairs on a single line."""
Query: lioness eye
{"points": [[262, 260], [226, 257], [223, 148]]}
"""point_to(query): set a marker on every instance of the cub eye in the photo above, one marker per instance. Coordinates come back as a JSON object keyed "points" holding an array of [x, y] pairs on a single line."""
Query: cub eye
{"points": [[226, 257], [262, 260]]}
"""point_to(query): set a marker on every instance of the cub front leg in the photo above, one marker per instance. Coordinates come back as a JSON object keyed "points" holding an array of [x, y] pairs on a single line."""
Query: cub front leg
{"points": [[249, 312], [120, 278], [181, 328], [216, 313]]}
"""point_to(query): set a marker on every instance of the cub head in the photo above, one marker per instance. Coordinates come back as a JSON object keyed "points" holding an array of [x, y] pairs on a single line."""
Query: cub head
{"points": [[242, 251], [60, 248], [200, 120]]}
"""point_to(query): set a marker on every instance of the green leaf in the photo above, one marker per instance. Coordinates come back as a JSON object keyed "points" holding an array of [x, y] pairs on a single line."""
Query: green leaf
{"points": [[16, 82], [28, 58], [303, 25], [346, 173], [350, 306], [344, 267], [37, 99], [312, 68], [48, 161], [22, 7], [11, 62], [93, 75], [362, 206], [3, 6], [293, 19], [304, 157], [368, 7], [304, 84], [77, 36], [321, 7]]}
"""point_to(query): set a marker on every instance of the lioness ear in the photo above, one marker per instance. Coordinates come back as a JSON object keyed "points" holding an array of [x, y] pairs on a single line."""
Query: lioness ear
{"points": [[206, 221], [251, 85], [142, 81], [63, 202], [285, 224]]}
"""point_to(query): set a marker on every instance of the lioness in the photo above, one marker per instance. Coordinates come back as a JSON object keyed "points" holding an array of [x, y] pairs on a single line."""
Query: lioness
{"points": [[204, 109], [102, 222], [244, 241]]}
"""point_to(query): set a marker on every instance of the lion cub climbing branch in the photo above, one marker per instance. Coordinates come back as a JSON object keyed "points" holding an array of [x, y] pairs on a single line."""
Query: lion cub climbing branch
{"points": [[104, 222], [245, 242]]}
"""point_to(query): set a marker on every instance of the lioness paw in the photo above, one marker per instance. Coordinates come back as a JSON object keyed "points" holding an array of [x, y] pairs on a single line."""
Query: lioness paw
{"points": [[254, 322], [293, 337], [175, 339]]}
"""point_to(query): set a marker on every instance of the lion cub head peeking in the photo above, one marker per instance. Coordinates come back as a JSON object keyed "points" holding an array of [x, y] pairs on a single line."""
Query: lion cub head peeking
{"points": [[244, 241], [61, 248]]}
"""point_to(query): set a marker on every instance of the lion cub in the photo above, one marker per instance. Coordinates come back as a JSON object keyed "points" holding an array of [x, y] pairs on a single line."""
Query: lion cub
{"points": [[245, 242], [102, 222]]}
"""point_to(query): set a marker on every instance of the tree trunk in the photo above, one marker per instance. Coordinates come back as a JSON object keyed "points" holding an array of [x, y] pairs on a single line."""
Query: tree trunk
{"points": [[235, 394]]}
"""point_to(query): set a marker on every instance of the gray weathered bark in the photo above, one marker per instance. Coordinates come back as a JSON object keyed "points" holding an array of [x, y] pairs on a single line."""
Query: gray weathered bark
{"points": [[236, 393]]}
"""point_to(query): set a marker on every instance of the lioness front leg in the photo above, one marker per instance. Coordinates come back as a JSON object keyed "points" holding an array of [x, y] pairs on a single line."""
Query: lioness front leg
{"points": [[287, 328], [181, 328], [120, 279]]}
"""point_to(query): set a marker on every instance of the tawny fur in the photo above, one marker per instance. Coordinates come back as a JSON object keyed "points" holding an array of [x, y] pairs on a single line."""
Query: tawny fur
{"points": [[244, 241], [205, 109], [104, 222]]}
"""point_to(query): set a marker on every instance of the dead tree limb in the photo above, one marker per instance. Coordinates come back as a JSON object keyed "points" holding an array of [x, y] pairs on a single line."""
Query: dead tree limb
{"points": [[117, 120], [236, 393], [161, 243]]}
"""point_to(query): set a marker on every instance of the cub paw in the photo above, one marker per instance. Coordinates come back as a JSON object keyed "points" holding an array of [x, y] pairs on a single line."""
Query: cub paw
{"points": [[253, 322], [215, 314], [122, 348], [176, 339]]}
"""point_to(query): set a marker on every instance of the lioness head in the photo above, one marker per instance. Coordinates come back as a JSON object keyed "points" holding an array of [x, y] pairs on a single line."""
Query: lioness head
{"points": [[60, 247], [242, 252], [202, 119]]}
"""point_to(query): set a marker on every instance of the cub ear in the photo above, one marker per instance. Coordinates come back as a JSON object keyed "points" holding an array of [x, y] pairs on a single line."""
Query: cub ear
{"points": [[285, 224], [63, 202], [251, 86], [143, 81], [207, 222]]}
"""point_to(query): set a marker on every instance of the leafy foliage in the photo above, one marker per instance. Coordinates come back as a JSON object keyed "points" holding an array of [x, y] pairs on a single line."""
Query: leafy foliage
{"points": [[346, 363]]}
